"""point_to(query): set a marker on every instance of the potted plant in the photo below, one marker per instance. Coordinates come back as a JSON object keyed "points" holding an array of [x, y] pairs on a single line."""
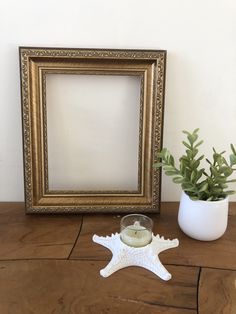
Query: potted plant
{"points": [[203, 210]]}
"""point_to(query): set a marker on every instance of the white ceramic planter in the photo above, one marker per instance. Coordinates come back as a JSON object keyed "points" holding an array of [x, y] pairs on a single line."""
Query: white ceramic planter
{"points": [[203, 220]]}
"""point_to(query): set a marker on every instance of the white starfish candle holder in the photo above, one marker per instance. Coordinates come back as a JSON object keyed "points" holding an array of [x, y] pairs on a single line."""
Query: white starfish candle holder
{"points": [[146, 256]]}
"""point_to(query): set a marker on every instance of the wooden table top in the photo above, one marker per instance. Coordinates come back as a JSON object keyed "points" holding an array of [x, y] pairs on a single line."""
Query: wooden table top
{"points": [[49, 264]]}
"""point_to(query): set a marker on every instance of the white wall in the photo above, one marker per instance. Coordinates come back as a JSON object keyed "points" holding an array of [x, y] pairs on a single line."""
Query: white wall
{"points": [[201, 74]]}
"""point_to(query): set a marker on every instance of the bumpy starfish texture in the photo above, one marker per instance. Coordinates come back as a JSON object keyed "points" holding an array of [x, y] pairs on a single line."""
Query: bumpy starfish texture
{"points": [[146, 257]]}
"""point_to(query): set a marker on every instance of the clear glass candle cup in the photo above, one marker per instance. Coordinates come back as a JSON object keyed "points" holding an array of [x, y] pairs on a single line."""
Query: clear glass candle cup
{"points": [[136, 230]]}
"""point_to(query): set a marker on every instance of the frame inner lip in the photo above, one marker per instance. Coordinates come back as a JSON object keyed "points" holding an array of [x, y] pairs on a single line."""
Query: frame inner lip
{"points": [[43, 71]]}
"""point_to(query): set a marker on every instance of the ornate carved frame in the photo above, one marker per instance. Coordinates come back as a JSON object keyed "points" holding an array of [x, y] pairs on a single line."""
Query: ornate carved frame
{"points": [[35, 63]]}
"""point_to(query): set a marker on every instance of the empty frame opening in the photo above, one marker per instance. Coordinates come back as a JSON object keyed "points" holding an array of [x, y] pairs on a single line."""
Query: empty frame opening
{"points": [[93, 132]]}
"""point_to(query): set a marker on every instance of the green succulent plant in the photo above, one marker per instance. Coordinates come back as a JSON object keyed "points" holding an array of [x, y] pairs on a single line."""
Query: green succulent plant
{"points": [[195, 181]]}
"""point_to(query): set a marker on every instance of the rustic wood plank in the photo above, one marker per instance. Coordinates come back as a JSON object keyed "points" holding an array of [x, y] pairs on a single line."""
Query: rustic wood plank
{"points": [[220, 253], [74, 286], [217, 291], [232, 208], [41, 236], [216, 254], [101, 225]]}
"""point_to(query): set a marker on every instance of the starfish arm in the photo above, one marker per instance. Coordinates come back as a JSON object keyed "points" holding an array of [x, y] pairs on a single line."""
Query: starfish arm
{"points": [[114, 265], [159, 270], [167, 244], [108, 242], [153, 263]]}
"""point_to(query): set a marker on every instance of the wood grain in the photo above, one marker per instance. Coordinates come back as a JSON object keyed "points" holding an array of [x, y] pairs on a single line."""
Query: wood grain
{"points": [[101, 225], [217, 292], [57, 286], [42, 236], [232, 208], [220, 253], [216, 254]]}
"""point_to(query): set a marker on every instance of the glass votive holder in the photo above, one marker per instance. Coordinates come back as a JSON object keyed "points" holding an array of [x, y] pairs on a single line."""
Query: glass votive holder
{"points": [[136, 230]]}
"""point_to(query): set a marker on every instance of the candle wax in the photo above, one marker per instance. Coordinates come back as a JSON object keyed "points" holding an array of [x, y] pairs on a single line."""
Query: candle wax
{"points": [[136, 235]]}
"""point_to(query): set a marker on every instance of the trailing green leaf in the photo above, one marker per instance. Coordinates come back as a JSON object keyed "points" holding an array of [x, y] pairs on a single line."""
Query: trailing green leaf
{"points": [[233, 149], [158, 165], [232, 160]]}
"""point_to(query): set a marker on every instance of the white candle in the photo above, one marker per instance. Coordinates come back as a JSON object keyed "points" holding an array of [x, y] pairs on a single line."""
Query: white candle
{"points": [[136, 235]]}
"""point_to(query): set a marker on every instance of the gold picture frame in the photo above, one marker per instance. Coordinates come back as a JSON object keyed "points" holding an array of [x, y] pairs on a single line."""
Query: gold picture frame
{"points": [[47, 73]]}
